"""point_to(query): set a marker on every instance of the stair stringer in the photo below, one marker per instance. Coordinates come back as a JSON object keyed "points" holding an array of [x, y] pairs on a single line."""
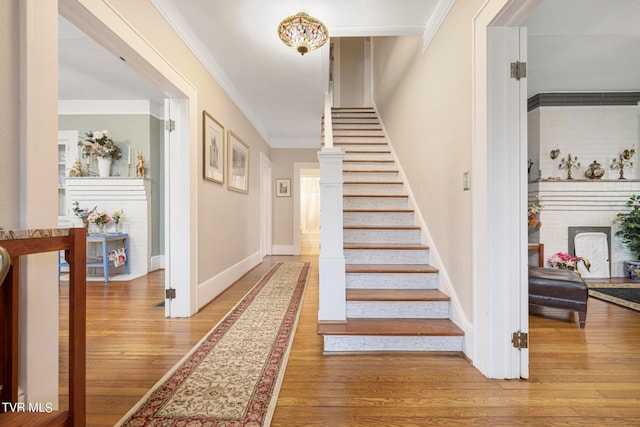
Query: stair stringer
{"points": [[457, 315]]}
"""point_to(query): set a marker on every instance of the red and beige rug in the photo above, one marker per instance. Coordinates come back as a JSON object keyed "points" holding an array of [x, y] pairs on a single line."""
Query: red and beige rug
{"points": [[233, 376]]}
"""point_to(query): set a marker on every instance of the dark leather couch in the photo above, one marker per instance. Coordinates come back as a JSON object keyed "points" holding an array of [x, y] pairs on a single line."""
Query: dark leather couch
{"points": [[565, 289]]}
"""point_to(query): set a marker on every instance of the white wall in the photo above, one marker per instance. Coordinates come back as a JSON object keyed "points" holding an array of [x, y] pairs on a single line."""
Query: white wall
{"points": [[351, 72], [598, 133]]}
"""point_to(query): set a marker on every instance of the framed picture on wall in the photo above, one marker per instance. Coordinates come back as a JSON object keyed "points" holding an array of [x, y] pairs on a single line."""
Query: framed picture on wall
{"points": [[283, 187], [214, 147], [238, 167]]}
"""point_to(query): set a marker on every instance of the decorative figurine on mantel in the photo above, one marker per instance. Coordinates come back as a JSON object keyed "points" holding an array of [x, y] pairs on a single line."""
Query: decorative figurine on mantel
{"points": [[594, 171], [140, 166], [568, 164], [77, 169], [623, 161]]}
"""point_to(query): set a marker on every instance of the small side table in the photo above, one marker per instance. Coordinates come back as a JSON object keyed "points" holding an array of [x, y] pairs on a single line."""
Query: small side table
{"points": [[540, 248], [104, 240]]}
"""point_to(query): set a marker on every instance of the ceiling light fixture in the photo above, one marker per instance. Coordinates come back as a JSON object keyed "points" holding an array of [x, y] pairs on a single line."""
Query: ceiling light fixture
{"points": [[303, 32]]}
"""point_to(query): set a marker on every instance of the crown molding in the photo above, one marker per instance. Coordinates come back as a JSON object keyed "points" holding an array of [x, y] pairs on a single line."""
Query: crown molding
{"points": [[436, 19], [110, 106]]}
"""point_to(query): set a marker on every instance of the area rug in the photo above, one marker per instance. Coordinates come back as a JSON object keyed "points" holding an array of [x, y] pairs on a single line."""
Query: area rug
{"points": [[622, 294], [232, 376]]}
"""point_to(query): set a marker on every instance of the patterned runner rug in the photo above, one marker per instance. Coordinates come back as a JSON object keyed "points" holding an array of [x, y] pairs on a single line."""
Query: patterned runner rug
{"points": [[622, 294], [232, 376]]}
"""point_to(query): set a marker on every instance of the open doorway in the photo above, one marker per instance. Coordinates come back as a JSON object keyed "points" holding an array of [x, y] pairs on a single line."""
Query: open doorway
{"points": [[309, 211], [180, 155]]}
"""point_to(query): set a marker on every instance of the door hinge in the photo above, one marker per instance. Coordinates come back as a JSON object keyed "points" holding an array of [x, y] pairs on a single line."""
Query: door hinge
{"points": [[170, 293], [518, 70], [520, 340], [170, 125]]}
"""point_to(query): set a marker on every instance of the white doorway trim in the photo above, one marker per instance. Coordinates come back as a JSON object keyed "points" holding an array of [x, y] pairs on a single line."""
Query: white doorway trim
{"points": [[497, 307], [297, 172], [102, 23], [266, 206]]}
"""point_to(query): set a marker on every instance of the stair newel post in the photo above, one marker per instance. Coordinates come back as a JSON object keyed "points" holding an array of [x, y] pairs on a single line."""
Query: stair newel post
{"points": [[332, 301]]}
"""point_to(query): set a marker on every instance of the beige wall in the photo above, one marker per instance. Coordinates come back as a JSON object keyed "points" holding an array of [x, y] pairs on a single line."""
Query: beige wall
{"points": [[228, 222], [9, 115], [425, 103], [351, 72], [282, 167]]}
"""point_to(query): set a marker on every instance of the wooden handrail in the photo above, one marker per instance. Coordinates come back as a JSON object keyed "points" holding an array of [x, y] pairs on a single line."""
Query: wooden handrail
{"points": [[17, 244]]}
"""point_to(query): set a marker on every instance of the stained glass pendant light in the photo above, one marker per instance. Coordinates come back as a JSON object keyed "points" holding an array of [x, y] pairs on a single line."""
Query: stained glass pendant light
{"points": [[303, 32]]}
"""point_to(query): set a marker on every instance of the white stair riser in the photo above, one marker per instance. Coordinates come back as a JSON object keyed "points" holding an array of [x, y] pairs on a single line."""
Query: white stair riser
{"points": [[386, 256], [353, 121], [375, 203], [356, 126], [382, 236], [356, 132], [353, 139], [378, 218], [363, 147], [341, 343], [368, 156], [371, 176], [392, 189], [398, 309], [370, 166], [392, 280]]}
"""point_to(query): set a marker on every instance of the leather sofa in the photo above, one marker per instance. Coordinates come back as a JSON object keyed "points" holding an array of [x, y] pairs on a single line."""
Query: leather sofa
{"points": [[556, 288]]}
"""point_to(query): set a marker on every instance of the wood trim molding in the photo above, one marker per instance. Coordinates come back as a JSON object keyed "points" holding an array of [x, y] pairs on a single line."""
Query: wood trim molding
{"points": [[582, 99]]}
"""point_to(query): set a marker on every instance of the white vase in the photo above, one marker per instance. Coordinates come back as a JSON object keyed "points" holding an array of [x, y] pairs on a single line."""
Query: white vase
{"points": [[104, 166]]}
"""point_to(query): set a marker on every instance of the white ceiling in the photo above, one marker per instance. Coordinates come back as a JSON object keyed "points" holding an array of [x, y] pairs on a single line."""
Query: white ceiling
{"points": [[574, 45]]}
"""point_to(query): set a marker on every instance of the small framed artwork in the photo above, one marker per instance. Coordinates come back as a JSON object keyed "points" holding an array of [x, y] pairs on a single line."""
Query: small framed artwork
{"points": [[213, 146], [283, 187], [238, 167]]}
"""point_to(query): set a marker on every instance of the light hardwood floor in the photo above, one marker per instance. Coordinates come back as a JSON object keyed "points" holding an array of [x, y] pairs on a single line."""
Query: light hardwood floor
{"points": [[578, 376]]}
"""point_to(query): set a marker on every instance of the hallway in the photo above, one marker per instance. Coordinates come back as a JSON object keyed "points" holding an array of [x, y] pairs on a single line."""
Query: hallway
{"points": [[583, 377]]}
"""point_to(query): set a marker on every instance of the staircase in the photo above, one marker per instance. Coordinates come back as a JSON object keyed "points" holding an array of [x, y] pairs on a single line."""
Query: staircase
{"points": [[392, 297]]}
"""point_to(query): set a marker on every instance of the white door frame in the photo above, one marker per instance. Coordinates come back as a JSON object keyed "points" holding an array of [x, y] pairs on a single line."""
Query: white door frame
{"points": [[102, 23], [297, 172], [499, 266], [266, 206]]}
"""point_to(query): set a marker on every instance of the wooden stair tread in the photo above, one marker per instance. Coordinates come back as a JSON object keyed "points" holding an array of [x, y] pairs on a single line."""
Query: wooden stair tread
{"points": [[373, 182], [404, 196], [396, 295], [396, 327], [377, 211], [390, 268], [367, 151], [380, 227], [369, 161], [370, 171], [386, 246]]}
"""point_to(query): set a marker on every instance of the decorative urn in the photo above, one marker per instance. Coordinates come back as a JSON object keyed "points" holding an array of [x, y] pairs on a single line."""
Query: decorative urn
{"points": [[594, 171]]}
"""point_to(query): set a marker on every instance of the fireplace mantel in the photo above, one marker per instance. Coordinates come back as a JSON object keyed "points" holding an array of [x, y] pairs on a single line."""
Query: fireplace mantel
{"points": [[586, 203]]}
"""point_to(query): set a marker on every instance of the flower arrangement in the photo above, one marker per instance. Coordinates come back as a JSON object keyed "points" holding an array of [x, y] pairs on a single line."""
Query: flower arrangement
{"points": [[99, 144], [117, 215], [563, 261], [84, 213], [100, 218], [532, 216]]}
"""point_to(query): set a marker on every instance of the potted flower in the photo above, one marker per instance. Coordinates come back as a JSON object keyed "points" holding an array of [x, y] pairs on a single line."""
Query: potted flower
{"points": [[100, 146], [629, 229], [562, 261], [82, 213], [100, 219]]}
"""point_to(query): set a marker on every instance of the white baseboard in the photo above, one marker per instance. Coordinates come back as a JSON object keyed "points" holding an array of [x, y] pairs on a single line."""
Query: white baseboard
{"points": [[157, 262], [283, 250], [211, 288]]}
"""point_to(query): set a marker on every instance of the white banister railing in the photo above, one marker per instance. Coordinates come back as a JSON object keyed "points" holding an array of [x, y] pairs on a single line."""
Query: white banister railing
{"points": [[328, 125], [332, 281]]}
